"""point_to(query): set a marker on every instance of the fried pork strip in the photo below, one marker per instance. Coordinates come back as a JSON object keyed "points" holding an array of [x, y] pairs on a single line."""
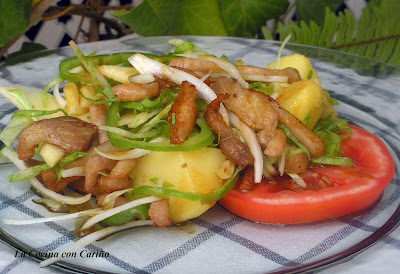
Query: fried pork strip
{"points": [[98, 116], [136, 92], [254, 109], [184, 109], [261, 112], [291, 73], [158, 213], [236, 151], [205, 66], [314, 143], [68, 133]]}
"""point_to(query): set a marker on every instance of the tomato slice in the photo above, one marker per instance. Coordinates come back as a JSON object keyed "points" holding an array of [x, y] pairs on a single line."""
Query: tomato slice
{"points": [[352, 188]]}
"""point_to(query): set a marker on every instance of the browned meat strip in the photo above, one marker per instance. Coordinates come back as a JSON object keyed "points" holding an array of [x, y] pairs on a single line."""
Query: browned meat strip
{"points": [[102, 185], [195, 64], [205, 66], [118, 201], [297, 163], [292, 73], [276, 144], [105, 184], [236, 151], [122, 168], [69, 133], [197, 74], [314, 143], [96, 163], [255, 110], [136, 92], [252, 107], [164, 83], [185, 110], [247, 182], [49, 178], [98, 116], [158, 213]]}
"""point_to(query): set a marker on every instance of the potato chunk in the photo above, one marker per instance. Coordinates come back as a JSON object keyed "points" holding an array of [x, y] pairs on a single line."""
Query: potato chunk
{"points": [[117, 73], [303, 99], [299, 62], [51, 154], [193, 171]]}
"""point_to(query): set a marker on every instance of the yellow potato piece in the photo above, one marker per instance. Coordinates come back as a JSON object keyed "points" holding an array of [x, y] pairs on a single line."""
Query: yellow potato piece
{"points": [[315, 77], [301, 99], [299, 62], [193, 171], [73, 98], [51, 154], [88, 92], [117, 73]]}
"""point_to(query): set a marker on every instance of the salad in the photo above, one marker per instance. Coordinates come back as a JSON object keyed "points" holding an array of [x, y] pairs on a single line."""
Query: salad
{"points": [[158, 140]]}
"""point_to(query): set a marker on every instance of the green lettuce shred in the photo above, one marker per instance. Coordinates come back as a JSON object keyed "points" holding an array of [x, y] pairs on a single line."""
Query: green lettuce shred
{"points": [[329, 130], [293, 138], [337, 161], [262, 87]]}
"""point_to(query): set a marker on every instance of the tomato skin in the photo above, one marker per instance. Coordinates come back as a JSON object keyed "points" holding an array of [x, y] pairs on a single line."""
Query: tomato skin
{"points": [[354, 188]]}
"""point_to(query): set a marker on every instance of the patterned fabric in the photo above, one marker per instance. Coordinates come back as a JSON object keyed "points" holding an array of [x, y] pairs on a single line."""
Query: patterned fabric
{"points": [[217, 241]]}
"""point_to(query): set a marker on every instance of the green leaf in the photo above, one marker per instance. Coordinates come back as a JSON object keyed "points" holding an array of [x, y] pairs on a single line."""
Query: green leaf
{"points": [[307, 10], [199, 18], [170, 17], [376, 35], [14, 18], [244, 17], [207, 17], [151, 17]]}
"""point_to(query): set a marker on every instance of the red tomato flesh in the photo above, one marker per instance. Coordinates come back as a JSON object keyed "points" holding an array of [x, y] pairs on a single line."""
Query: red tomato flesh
{"points": [[353, 188]]}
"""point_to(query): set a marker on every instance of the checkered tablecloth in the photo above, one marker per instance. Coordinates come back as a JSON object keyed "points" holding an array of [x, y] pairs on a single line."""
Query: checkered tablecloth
{"points": [[219, 242]]}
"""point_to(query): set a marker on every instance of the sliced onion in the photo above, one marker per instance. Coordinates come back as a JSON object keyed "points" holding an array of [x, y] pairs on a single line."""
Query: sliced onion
{"points": [[60, 101], [94, 237], [228, 67], [282, 163], [72, 172], [263, 78], [10, 154], [77, 69], [281, 49], [109, 200], [205, 77], [146, 65], [251, 139], [110, 212], [128, 154], [297, 179], [142, 78], [122, 132], [59, 217]]}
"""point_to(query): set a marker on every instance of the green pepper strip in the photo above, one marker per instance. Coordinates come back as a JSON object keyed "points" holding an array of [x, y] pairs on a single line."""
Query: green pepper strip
{"points": [[203, 139], [217, 194], [127, 215], [108, 59]]}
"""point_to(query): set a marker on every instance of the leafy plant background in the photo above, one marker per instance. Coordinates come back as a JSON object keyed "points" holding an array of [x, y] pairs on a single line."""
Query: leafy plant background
{"points": [[376, 35]]}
